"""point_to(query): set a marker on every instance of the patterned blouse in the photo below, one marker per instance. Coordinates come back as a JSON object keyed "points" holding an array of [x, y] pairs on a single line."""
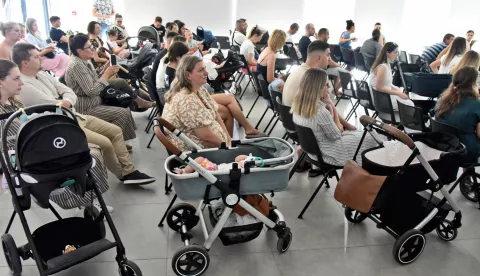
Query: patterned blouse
{"points": [[188, 111], [84, 81], [104, 7], [15, 126], [97, 65]]}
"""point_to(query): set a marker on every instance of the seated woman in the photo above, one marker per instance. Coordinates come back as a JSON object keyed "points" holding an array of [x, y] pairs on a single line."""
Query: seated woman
{"points": [[11, 83], [336, 144], [459, 106], [55, 62], [228, 107], [191, 109], [100, 58], [372, 47], [248, 47], [121, 51], [453, 55], [12, 34], [381, 76], [471, 59], [122, 34], [266, 63], [84, 81]]}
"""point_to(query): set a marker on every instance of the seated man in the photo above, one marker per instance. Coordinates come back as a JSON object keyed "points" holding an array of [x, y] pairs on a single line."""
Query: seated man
{"points": [[431, 54], [41, 88], [58, 35], [239, 35], [334, 68]]}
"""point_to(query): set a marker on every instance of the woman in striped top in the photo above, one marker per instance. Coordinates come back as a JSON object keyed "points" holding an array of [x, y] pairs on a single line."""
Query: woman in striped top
{"points": [[10, 86], [336, 144]]}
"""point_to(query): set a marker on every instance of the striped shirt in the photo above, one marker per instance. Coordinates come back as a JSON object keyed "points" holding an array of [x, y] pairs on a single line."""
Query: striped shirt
{"points": [[433, 51], [81, 77]]}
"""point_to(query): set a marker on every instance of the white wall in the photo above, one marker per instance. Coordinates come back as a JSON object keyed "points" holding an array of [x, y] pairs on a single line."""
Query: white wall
{"points": [[412, 24]]}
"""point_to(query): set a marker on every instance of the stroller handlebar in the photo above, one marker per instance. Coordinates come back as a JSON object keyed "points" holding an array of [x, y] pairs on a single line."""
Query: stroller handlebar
{"points": [[404, 138], [158, 132]]}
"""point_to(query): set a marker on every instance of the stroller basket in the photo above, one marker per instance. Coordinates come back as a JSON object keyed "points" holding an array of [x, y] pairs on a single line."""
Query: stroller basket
{"points": [[271, 178]]}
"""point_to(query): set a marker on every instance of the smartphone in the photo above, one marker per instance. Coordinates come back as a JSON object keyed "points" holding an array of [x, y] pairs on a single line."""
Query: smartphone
{"points": [[113, 60]]}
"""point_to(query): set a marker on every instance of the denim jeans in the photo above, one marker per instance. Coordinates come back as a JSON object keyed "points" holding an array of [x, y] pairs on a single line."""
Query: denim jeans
{"points": [[103, 31]]}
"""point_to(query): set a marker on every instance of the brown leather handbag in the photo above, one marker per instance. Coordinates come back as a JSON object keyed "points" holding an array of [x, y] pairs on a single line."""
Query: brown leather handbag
{"points": [[259, 202], [357, 188]]}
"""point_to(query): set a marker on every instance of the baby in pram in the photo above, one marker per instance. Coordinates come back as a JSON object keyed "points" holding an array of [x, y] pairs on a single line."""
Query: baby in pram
{"points": [[209, 165]]}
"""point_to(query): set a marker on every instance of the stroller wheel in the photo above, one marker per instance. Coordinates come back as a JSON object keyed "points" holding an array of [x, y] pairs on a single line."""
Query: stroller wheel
{"points": [[11, 255], [409, 246], [354, 216], [129, 268], [283, 243], [467, 188], [182, 214], [92, 213], [446, 231], [192, 260]]}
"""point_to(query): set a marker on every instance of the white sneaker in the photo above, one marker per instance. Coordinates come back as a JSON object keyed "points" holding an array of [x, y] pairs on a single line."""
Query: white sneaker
{"points": [[96, 204]]}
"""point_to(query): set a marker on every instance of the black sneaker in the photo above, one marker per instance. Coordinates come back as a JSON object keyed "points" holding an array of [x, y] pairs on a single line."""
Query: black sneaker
{"points": [[137, 178]]}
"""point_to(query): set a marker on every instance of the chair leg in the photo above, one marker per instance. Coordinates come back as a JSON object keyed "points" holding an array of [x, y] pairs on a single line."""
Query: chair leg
{"points": [[168, 209], [152, 112], [294, 169], [245, 89], [354, 105], [274, 125], [151, 140], [325, 179], [252, 107], [261, 118], [285, 136], [168, 188], [353, 111], [339, 99], [271, 120]]}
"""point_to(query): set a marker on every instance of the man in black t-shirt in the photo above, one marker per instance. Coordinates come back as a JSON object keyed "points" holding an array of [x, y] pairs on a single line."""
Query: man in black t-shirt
{"points": [[58, 35], [159, 27], [305, 40]]}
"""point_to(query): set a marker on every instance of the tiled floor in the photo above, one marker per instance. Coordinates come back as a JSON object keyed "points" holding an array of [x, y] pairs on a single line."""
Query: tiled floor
{"points": [[324, 243]]}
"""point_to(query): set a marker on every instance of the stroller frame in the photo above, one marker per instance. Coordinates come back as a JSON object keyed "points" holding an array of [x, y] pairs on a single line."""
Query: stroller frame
{"points": [[230, 198], [22, 201], [415, 234]]}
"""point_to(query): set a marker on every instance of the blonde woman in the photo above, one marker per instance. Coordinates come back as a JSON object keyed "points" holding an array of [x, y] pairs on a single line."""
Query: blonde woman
{"points": [[336, 144], [191, 109], [445, 63], [55, 62], [266, 63], [471, 58]]}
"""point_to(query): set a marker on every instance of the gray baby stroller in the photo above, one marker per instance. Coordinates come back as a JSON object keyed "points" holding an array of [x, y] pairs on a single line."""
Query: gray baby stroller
{"points": [[51, 153], [268, 174]]}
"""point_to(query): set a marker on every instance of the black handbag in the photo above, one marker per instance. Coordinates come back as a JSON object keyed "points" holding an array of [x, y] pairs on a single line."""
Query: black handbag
{"points": [[114, 97]]}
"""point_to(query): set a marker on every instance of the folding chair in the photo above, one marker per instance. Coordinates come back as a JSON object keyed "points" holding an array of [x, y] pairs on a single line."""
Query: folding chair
{"points": [[365, 97], [349, 90], [287, 121], [383, 105], [246, 72], [411, 118], [266, 96]]}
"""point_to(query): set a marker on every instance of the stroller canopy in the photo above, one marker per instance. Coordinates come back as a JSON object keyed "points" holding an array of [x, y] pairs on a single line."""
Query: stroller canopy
{"points": [[148, 33]]}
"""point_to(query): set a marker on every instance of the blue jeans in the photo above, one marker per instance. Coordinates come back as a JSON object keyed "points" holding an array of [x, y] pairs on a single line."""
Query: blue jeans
{"points": [[103, 31]]}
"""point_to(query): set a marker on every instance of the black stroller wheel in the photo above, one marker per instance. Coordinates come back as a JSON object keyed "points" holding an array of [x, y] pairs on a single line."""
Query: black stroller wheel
{"points": [[409, 246], [192, 260], [11, 255], [354, 216], [467, 188], [92, 213], [182, 214], [446, 231], [129, 268], [283, 243]]}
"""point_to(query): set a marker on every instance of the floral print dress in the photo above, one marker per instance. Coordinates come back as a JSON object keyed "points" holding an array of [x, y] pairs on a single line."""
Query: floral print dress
{"points": [[104, 7]]}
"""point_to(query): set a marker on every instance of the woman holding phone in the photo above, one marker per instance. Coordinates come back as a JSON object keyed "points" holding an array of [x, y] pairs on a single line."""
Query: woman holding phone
{"points": [[51, 61]]}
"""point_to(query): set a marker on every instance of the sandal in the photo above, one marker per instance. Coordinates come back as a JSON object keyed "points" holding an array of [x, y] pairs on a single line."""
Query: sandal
{"points": [[314, 172]]}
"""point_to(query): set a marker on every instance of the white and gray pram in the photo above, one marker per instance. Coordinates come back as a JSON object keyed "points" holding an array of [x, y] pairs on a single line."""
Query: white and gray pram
{"points": [[267, 174]]}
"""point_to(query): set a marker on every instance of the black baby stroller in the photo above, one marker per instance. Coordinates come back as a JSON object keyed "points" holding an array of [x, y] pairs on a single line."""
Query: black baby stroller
{"points": [[51, 152], [396, 196], [226, 69], [270, 174]]}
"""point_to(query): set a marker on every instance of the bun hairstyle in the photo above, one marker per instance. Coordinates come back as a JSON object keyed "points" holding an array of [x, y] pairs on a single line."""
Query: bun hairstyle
{"points": [[7, 27], [255, 31], [350, 24], [176, 50], [376, 34]]}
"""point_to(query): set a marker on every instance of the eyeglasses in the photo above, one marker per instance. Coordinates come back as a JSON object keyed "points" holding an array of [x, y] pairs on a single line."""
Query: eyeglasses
{"points": [[91, 47]]}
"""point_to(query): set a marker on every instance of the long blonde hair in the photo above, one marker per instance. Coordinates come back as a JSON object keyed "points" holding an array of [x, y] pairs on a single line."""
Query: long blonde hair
{"points": [[310, 92], [460, 88], [29, 27], [471, 58], [187, 63], [459, 46], [277, 40]]}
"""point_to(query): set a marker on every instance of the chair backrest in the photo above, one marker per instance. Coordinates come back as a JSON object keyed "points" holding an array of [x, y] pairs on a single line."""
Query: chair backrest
{"points": [[347, 84], [411, 117], [224, 42], [308, 142], [362, 92], [292, 53], [273, 95], [368, 62], [236, 49], [255, 75], [359, 61], [442, 127], [414, 58], [403, 57], [286, 116], [265, 93], [348, 57], [384, 106], [148, 77], [245, 63]]}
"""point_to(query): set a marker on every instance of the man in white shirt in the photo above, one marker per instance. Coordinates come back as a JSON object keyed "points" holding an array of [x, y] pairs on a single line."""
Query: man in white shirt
{"points": [[41, 88], [239, 35], [291, 32]]}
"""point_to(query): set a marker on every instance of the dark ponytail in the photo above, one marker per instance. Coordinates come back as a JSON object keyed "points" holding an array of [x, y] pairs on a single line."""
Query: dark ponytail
{"points": [[255, 31], [350, 24], [176, 50]]}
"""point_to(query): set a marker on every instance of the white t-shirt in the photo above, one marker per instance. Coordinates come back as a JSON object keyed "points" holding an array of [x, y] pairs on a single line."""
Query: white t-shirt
{"points": [[238, 38], [289, 38], [247, 48], [476, 47], [293, 84], [445, 69]]}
